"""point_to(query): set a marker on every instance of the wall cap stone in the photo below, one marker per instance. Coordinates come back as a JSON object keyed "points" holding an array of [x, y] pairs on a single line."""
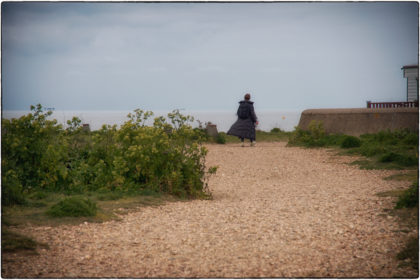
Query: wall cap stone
{"points": [[360, 110]]}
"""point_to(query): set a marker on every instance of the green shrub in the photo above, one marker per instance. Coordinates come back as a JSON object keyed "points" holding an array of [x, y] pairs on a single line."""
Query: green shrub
{"points": [[11, 189], [39, 155], [221, 138], [36, 150], [313, 137], [350, 142], [389, 157], [73, 207], [411, 139], [404, 160], [409, 198], [38, 195], [409, 160], [275, 130], [369, 150], [392, 137]]}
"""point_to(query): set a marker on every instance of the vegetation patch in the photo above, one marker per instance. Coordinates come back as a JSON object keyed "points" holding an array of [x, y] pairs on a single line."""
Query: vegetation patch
{"points": [[406, 209], [393, 193], [109, 196], [373, 163], [221, 138], [383, 150], [13, 242], [73, 207], [108, 206], [396, 150], [411, 175], [275, 135], [409, 198], [350, 142], [40, 156], [410, 253]]}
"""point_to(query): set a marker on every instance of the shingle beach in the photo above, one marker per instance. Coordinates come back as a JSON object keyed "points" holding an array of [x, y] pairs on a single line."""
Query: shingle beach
{"points": [[276, 211]]}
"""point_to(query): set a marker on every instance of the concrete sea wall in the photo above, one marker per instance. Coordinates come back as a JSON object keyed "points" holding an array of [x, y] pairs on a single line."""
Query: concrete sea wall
{"points": [[362, 120]]}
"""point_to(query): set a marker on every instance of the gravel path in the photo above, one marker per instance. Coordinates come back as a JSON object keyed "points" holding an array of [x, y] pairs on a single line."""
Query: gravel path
{"points": [[277, 212]]}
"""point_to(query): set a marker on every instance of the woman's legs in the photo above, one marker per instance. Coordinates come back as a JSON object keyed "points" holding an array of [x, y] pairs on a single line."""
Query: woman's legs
{"points": [[242, 142], [253, 143]]}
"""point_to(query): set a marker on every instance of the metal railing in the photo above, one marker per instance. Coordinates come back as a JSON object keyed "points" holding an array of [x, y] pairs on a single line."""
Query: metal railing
{"points": [[392, 104]]}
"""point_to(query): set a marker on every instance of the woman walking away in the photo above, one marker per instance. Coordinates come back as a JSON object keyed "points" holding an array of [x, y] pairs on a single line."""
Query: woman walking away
{"points": [[244, 127]]}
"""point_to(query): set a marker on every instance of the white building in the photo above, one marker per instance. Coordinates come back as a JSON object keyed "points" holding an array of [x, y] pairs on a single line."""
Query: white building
{"points": [[411, 72]]}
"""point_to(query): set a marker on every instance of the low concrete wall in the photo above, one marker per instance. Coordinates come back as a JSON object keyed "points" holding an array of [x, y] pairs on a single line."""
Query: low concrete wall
{"points": [[360, 121]]}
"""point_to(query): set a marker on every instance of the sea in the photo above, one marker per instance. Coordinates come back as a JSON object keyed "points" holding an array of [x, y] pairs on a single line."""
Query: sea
{"points": [[285, 120]]}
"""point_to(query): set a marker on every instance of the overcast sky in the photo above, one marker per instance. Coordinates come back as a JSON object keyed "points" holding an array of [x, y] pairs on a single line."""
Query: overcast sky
{"points": [[205, 56]]}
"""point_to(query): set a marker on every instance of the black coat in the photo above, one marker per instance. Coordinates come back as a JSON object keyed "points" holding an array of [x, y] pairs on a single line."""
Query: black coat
{"points": [[245, 128]]}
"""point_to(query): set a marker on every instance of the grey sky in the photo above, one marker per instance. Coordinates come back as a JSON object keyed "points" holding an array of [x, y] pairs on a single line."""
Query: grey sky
{"points": [[205, 56]]}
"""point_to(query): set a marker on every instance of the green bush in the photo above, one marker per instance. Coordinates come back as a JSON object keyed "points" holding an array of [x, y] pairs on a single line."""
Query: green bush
{"points": [[73, 207], [404, 160], [221, 138], [370, 150], [350, 142], [313, 137], [39, 155], [409, 198], [275, 130], [36, 150], [38, 195], [411, 139], [390, 157], [11, 189]]}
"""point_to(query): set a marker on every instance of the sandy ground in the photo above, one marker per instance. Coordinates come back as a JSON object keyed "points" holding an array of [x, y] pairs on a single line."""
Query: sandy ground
{"points": [[277, 212]]}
